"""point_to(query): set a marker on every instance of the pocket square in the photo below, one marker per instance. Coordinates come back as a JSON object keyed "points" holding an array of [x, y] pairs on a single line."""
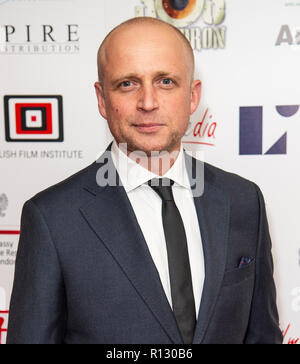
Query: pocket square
{"points": [[245, 261]]}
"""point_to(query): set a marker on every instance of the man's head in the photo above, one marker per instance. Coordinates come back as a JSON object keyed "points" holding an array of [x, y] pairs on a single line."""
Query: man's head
{"points": [[146, 89]]}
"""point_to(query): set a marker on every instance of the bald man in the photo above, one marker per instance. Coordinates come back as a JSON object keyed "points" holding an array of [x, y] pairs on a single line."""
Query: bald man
{"points": [[130, 250]]}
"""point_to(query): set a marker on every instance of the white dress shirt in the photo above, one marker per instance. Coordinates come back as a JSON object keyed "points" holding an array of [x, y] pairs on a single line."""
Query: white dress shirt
{"points": [[147, 206]]}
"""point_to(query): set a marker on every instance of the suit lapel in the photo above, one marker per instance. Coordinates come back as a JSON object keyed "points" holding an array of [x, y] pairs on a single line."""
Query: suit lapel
{"points": [[213, 214], [112, 218]]}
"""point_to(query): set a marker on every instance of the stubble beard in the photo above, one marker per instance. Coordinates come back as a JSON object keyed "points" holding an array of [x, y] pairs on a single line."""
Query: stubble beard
{"points": [[134, 146]]}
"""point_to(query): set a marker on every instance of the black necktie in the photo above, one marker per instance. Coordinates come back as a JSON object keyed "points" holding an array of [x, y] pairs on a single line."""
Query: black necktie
{"points": [[178, 259]]}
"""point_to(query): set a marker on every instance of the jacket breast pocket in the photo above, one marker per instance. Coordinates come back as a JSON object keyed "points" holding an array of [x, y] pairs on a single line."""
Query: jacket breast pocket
{"points": [[239, 275], [231, 315]]}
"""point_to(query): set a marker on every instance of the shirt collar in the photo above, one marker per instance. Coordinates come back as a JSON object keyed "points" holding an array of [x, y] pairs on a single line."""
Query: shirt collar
{"points": [[134, 175]]}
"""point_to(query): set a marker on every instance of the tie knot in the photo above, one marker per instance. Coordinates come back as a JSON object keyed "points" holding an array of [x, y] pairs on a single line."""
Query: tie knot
{"points": [[163, 187]]}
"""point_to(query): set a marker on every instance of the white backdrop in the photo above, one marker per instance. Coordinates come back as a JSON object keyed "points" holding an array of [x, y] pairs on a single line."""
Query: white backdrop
{"points": [[247, 56]]}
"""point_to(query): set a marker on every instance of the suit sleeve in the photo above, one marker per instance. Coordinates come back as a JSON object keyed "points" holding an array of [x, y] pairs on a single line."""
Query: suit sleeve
{"points": [[264, 322], [37, 308]]}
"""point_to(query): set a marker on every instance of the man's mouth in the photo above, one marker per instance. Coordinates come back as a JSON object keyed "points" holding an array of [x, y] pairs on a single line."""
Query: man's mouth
{"points": [[149, 127]]}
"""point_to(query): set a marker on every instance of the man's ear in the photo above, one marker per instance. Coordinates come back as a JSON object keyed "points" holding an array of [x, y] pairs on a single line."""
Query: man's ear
{"points": [[195, 95], [100, 98]]}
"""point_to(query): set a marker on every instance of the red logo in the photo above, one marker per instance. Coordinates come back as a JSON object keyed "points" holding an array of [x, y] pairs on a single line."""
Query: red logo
{"points": [[3, 326], [204, 132], [33, 118], [289, 340]]}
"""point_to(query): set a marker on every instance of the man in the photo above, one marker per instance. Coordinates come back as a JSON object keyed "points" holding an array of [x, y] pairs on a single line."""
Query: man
{"points": [[146, 259]]}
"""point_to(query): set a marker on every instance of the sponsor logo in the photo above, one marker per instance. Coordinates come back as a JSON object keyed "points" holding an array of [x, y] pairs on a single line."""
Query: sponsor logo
{"points": [[251, 130], [183, 14], [203, 132], [42, 39], [288, 36], [33, 118]]}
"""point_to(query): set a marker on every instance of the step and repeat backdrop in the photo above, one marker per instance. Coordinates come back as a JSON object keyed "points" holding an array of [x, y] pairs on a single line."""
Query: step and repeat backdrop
{"points": [[247, 56]]}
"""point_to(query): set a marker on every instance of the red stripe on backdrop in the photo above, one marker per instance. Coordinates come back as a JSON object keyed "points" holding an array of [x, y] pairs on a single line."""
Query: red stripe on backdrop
{"points": [[9, 232]]}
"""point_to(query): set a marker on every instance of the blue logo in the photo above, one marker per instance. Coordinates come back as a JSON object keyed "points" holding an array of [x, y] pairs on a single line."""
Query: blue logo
{"points": [[251, 130]]}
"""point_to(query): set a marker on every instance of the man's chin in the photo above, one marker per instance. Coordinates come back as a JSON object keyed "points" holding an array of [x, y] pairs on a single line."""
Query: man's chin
{"points": [[149, 149]]}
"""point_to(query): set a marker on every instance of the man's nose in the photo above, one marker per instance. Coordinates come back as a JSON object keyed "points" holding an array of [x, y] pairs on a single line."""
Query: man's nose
{"points": [[147, 98]]}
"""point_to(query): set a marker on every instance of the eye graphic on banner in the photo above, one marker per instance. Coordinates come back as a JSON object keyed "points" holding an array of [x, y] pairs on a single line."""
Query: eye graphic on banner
{"points": [[184, 13], [33, 118], [180, 13]]}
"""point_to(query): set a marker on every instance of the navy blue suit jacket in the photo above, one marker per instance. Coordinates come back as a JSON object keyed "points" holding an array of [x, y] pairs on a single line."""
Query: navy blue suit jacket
{"points": [[84, 273]]}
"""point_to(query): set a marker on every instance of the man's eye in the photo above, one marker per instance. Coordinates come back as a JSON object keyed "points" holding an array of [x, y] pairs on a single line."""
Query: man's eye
{"points": [[126, 84], [167, 81]]}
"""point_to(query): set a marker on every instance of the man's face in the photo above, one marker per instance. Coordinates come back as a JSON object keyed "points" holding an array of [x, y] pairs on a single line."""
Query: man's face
{"points": [[147, 95]]}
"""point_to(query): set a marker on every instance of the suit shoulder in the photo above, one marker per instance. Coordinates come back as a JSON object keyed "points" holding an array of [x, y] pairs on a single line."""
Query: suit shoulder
{"points": [[244, 195], [229, 181], [65, 191]]}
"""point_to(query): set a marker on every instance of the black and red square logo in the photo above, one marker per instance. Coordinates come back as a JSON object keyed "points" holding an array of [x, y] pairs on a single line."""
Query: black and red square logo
{"points": [[33, 118]]}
